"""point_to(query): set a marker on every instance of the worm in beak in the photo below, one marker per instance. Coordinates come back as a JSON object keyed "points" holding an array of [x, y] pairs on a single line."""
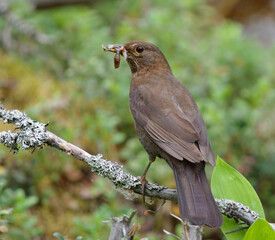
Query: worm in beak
{"points": [[118, 49]]}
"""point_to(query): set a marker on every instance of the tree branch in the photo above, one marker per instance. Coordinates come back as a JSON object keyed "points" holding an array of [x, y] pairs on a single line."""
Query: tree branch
{"points": [[31, 134]]}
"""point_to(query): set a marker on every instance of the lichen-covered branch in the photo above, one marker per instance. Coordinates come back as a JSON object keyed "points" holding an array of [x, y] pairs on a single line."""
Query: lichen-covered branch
{"points": [[236, 210], [31, 134]]}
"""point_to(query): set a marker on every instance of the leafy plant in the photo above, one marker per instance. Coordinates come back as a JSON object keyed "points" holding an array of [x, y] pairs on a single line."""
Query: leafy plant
{"points": [[227, 183], [15, 217]]}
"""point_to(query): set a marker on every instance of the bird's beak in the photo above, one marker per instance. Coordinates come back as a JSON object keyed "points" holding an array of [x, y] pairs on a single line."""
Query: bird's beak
{"points": [[117, 48]]}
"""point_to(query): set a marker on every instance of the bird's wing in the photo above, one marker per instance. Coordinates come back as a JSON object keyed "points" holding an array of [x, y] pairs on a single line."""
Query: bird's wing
{"points": [[180, 133]]}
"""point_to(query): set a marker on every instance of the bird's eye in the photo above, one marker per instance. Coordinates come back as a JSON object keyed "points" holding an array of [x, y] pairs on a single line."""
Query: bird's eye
{"points": [[139, 49]]}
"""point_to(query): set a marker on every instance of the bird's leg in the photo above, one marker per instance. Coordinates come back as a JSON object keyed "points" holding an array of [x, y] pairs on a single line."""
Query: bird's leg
{"points": [[143, 177]]}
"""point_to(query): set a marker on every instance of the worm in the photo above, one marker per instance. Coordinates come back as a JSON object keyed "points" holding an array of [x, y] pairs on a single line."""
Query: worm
{"points": [[117, 59]]}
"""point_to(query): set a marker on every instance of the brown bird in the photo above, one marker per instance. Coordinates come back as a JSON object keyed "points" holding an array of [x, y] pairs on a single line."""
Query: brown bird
{"points": [[169, 125]]}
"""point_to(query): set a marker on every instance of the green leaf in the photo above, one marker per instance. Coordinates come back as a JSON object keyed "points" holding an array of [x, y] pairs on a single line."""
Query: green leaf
{"points": [[228, 183], [260, 230]]}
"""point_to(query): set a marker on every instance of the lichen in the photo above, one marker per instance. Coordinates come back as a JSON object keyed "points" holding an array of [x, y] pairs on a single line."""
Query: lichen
{"points": [[32, 134]]}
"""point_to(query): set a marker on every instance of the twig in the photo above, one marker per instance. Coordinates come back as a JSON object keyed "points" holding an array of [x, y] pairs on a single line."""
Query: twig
{"points": [[237, 229], [190, 232], [31, 134], [121, 227]]}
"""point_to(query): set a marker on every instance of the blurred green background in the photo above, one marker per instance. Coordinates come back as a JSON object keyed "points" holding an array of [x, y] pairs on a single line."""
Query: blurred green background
{"points": [[52, 66]]}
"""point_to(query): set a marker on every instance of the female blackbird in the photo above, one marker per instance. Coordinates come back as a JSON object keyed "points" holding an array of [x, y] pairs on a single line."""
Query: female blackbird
{"points": [[169, 125]]}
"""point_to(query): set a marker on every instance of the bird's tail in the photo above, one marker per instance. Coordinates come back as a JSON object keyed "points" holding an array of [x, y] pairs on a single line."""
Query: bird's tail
{"points": [[196, 202]]}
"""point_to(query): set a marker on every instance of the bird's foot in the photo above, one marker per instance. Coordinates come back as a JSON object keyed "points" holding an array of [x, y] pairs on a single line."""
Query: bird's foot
{"points": [[143, 177], [143, 181]]}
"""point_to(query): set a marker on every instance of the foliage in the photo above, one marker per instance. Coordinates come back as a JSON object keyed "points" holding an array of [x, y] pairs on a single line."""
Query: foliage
{"points": [[260, 230], [227, 183], [15, 214], [72, 84]]}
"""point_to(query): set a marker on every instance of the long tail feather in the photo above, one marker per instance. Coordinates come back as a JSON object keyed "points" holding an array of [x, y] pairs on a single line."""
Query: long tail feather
{"points": [[196, 202]]}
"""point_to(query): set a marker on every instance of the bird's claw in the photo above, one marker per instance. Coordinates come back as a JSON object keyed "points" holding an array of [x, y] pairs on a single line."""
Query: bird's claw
{"points": [[143, 181]]}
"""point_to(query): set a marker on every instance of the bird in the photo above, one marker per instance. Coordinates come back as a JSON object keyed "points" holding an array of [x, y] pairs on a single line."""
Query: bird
{"points": [[170, 126]]}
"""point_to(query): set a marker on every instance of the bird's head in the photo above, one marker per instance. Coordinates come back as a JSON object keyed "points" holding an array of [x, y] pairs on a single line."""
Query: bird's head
{"points": [[140, 55]]}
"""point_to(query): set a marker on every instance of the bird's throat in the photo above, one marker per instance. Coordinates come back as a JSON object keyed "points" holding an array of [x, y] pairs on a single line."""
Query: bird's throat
{"points": [[132, 64]]}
